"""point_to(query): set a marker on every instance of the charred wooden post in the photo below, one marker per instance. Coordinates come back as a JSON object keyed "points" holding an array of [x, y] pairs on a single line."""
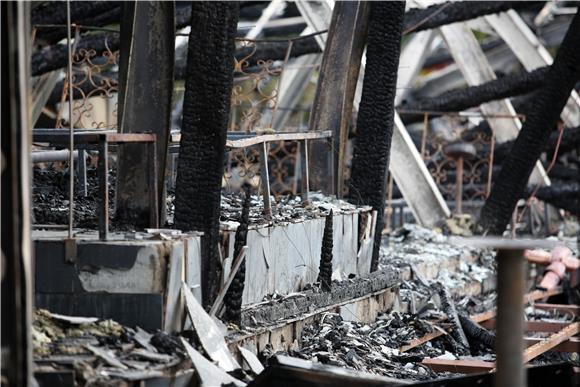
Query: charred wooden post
{"points": [[145, 92], [15, 171], [465, 98], [233, 299], [510, 318], [376, 113], [325, 268], [448, 307], [459, 151], [535, 133], [332, 107], [206, 107]]}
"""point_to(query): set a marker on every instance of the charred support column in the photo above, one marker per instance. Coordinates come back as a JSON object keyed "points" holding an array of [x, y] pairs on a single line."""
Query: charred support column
{"points": [[15, 169], [509, 344], [325, 268], [206, 107], [532, 139], [332, 108], [145, 91], [376, 112]]}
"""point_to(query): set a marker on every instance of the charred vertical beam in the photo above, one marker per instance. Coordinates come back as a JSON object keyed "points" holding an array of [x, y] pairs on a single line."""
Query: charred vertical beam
{"points": [[325, 268], [206, 107], [15, 170], [376, 113], [145, 91], [233, 299], [532, 139], [332, 107]]}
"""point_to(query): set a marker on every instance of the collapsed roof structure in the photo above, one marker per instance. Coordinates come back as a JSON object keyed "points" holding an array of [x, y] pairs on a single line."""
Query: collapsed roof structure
{"points": [[280, 192]]}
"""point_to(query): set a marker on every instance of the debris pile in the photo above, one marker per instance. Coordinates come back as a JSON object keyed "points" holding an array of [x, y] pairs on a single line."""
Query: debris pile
{"points": [[50, 198], [103, 350], [285, 209], [430, 255], [372, 348]]}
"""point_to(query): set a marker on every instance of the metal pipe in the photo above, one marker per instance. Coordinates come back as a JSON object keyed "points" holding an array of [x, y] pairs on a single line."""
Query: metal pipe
{"points": [[265, 181], [52, 156], [459, 186], [71, 132], [510, 319]]}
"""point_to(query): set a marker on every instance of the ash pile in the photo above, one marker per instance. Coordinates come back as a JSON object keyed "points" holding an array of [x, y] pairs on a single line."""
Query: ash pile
{"points": [[50, 198]]}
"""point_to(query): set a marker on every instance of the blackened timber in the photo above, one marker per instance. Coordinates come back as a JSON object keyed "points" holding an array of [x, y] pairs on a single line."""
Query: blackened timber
{"points": [[333, 103], [448, 308], [570, 141], [475, 332], [17, 284], [55, 57], [461, 99], [101, 85], [451, 12], [562, 195], [145, 92], [325, 267], [534, 135], [234, 295], [340, 293], [375, 121], [92, 13], [564, 173], [206, 107]]}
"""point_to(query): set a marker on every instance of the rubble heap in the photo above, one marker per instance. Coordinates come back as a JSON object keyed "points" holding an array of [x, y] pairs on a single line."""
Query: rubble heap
{"points": [[103, 350], [371, 348]]}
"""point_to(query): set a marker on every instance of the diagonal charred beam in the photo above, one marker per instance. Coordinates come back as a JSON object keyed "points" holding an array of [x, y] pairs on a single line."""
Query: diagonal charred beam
{"points": [[375, 120], [206, 107], [461, 99], [534, 135], [451, 12]]}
